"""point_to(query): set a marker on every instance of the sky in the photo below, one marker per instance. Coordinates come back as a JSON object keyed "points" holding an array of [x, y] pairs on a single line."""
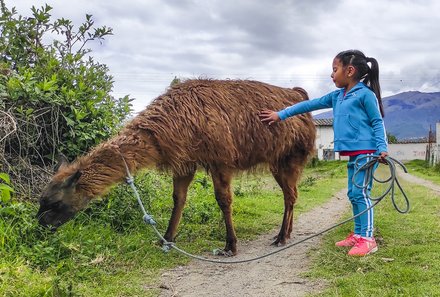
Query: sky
{"points": [[281, 42]]}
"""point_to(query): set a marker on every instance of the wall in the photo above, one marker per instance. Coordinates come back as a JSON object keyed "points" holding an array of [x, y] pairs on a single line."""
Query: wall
{"points": [[407, 151]]}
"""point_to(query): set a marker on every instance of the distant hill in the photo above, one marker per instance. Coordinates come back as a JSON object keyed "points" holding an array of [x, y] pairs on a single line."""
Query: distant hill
{"points": [[407, 115]]}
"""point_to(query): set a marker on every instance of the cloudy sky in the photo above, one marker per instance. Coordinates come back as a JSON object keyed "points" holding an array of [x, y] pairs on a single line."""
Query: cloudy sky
{"points": [[282, 42]]}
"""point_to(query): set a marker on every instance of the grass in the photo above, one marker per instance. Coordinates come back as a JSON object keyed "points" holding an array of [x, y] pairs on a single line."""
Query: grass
{"points": [[108, 251], [408, 261], [421, 169]]}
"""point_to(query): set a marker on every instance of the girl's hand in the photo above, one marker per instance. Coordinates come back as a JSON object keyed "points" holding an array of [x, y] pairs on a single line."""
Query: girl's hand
{"points": [[382, 156], [269, 116]]}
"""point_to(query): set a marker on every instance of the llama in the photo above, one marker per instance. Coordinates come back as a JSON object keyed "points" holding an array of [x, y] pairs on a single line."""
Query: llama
{"points": [[201, 123]]}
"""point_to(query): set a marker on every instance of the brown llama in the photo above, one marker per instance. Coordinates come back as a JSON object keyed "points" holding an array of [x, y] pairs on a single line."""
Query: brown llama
{"points": [[212, 124]]}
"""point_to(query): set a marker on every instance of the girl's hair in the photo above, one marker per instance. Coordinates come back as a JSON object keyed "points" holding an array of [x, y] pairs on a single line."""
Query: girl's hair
{"points": [[369, 75]]}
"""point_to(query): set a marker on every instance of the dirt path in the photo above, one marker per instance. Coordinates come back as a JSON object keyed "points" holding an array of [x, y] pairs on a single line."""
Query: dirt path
{"points": [[277, 275]]}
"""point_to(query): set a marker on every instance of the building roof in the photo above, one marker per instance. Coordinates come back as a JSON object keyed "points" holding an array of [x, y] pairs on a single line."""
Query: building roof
{"points": [[323, 122], [416, 140]]}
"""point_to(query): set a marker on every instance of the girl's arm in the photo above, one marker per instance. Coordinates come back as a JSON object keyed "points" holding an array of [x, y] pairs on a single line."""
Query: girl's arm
{"points": [[376, 120], [308, 105], [270, 116]]}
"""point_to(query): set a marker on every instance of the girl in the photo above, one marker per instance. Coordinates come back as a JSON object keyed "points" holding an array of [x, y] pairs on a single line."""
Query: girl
{"points": [[358, 132]]}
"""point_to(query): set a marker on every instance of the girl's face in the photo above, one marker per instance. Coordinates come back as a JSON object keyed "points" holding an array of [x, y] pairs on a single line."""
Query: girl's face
{"points": [[342, 76]]}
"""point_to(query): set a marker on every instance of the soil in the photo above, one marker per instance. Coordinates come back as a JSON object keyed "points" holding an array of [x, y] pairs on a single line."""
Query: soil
{"points": [[277, 275]]}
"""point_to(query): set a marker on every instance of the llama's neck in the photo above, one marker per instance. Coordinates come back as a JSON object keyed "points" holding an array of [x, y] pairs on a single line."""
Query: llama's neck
{"points": [[106, 164]]}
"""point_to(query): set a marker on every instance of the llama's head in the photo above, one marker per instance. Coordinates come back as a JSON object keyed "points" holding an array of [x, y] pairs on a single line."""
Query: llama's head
{"points": [[61, 198]]}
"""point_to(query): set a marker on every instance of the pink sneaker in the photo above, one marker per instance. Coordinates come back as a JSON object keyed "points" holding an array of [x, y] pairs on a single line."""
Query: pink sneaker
{"points": [[363, 247], [350, 240]]}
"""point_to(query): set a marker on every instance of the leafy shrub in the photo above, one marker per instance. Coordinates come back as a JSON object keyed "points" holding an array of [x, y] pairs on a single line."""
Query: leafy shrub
{"points": [[58, 94]]}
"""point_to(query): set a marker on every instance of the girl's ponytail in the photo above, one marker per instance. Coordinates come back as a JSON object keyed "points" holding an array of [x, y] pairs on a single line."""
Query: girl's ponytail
{"points": [[372, 80]]}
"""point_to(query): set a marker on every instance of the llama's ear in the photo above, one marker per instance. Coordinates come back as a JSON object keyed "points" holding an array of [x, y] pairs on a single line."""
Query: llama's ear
{"points": [[72, 180], [61, 160]]}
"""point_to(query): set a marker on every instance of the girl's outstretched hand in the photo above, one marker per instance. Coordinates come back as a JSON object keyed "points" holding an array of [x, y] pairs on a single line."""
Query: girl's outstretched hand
{"points": [[269, 116]]}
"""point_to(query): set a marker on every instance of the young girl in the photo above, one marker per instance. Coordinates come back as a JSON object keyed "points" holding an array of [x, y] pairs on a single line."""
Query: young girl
{"points": [[358, 132]]}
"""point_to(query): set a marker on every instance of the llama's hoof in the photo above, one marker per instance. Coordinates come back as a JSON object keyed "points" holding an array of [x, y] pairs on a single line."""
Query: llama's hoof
{"points": [[278, 242], [222, 252], [162, 243]]}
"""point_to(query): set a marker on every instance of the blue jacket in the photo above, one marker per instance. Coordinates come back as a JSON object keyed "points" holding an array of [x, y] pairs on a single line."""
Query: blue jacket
{"points": [[357, 124]]}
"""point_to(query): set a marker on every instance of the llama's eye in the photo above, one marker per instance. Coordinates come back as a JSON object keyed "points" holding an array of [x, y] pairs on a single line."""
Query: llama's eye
{"points": [[57, 205], [45, 203]]}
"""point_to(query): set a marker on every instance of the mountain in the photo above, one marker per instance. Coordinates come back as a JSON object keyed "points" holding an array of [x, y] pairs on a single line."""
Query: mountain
{"points": [[407, 115]]}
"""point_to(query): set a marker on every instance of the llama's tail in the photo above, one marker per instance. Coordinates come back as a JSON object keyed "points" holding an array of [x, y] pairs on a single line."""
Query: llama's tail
{"points": [[302, 92]]}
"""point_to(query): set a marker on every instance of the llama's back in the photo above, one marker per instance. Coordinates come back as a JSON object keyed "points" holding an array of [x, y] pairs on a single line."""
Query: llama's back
{"points": [[216, 122]]}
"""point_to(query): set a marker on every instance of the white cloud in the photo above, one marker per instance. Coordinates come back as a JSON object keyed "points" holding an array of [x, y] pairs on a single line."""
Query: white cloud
{"points": [[283, 42]]}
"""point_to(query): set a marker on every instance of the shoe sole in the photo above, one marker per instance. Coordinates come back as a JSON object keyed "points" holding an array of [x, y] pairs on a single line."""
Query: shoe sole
{"points": [[373, 250]]}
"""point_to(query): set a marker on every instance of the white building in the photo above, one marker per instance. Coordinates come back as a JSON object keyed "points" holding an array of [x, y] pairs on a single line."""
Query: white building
{"points": [[404, 150], [324, 140]]}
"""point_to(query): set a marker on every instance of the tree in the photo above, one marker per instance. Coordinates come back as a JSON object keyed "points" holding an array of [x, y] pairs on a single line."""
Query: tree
{"points": [[58, 94], [391, 138]]}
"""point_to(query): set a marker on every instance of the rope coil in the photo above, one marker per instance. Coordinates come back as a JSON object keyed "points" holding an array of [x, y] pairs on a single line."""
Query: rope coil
{"points": [[392, 180], [167, 246]]}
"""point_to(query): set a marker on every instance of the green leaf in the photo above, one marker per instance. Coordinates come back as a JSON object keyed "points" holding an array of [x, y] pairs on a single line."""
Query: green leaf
{"points": [[5, 188], [29, 111], [5, 178], [69, 121], [5, 193]]}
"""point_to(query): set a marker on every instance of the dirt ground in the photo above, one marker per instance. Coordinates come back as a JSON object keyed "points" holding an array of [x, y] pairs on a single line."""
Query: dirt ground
{"points": [[277, 275]]}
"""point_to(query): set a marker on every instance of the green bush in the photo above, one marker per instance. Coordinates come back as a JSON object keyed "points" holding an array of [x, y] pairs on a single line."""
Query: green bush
{"points": [[58, 95], [57, 92]]}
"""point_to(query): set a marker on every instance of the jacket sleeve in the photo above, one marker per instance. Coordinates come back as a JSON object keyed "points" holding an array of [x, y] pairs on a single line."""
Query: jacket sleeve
{"points": [[373, 112], [307, 106]]}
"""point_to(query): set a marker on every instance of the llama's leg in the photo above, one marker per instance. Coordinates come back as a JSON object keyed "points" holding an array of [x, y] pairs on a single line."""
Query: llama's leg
{"points": [[287, 178], [180, 190], [222, 187]]}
